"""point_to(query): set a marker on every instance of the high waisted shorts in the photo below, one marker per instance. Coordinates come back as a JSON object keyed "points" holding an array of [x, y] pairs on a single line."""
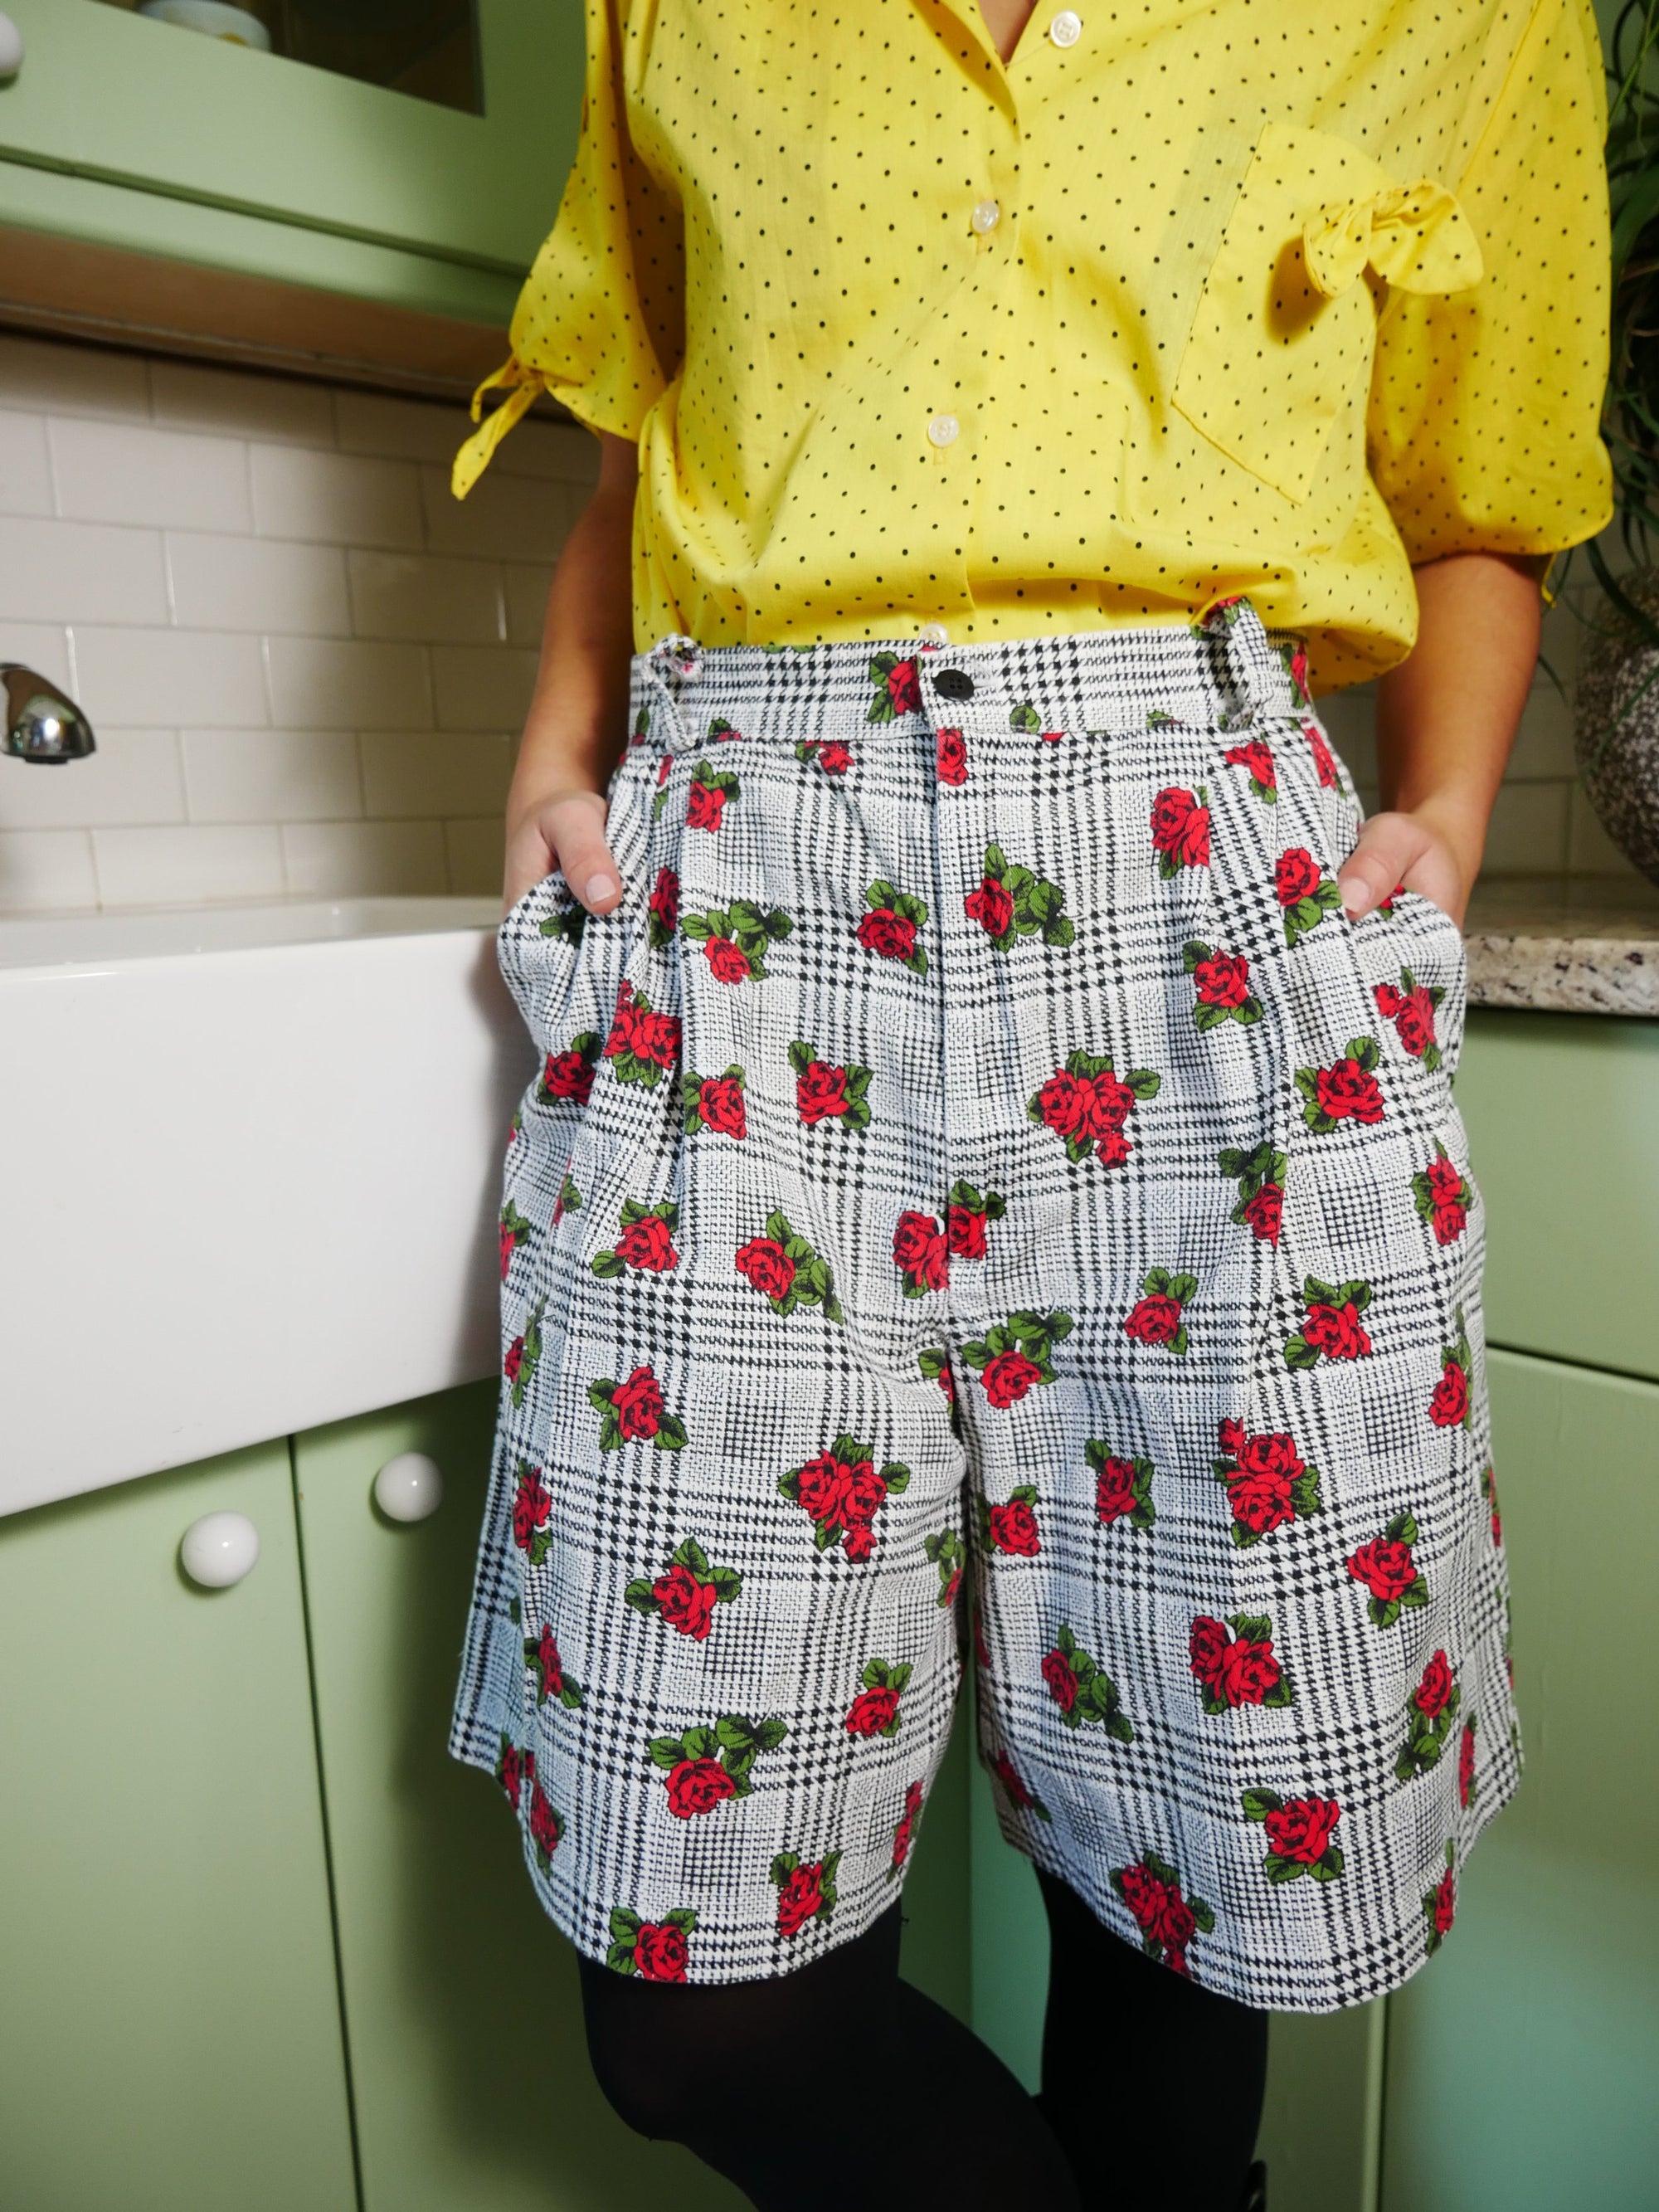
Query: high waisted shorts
{"points": [[983, 1207]]}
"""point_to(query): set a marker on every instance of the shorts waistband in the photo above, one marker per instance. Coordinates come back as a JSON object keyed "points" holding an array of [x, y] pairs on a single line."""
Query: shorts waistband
{"points": [[1224, 672]]}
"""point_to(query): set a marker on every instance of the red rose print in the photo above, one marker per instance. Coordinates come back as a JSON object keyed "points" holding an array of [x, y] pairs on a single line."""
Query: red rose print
{"points": [[697, 1785], [663, 768], [919, 1252], [1387, 1568], [859, 1543], [1153, 1321], [1181, 831], [637, 1404], [659, 1951], [904, 688], [545, 1826], [719, 1105], [729, 962], [1019, 1795], [1412, 1013], [1466, 1766], [639, 1032], [821, 1093], [1264, 1212], [834, 758], [951, 757], [1144, 1895], [1267, 1481], [1489, 1492], [1346, 1092], [767, 1265], [823, 1488], [1260, 1501], [1295, 875], [1207, 1651], [705, 804], [1223, 980], [647, 1244], [965, 1231], [873, 1710], [685, 1603], [890, 934], [1063, 1104], [512, 1360], [547, 1652], [1236, 1670], [1008, 1378], [800, 1898], [1336, 1331], [991, 907], [1107, 1105], [664, 905], [1301, 1829], [508, 1244], [1258, 758], [1174, 1928], [1014, 1530], [865, 1491], [1299, 669], [1450, 1401], [1061, 1678], [532, 1505], [1250, 1671], [567, 1075], [512, 1768], [1447, 1196], [1324, 765], [1434, 1691], [1114, 1490], [906, 1829], [1445, 1904]]}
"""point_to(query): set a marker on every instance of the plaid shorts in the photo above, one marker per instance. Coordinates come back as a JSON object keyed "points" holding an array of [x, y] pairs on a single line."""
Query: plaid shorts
{"points": [[983, 1204]]}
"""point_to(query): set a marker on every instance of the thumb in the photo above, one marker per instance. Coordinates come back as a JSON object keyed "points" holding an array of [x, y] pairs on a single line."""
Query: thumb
{"points": [[1389, 845]]}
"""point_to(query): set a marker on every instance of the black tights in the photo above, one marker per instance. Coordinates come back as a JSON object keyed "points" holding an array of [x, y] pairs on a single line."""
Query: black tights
{"points": [[840, 2084]]}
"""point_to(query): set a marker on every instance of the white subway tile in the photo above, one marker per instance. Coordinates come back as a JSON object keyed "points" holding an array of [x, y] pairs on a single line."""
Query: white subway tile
{"points": [[162, 479], [558, 453], [71, 572], [44, 869], [264, 584], [333, 860], [401, 429], [335, 499], [316, 684], [240, 402], [181, 867], [176, 679], [1528, 831], [25, 472], [475, 856], [527, 589], [504, 517], [481, 687], [272, 775], [133, 776], [62, 379], [41, 647], [1591, 852], [421, 774], [425, 598]]}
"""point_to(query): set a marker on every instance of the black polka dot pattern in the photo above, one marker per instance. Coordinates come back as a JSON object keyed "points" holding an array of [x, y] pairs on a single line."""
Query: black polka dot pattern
{"points": [[900, 329]]}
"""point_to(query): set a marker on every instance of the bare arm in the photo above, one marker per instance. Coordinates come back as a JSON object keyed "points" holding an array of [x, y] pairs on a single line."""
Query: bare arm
{"points": [[574, 729], [1445, 721]]}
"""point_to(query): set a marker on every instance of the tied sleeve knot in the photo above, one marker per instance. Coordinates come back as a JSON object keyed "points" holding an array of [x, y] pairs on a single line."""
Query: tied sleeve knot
{"points": [[523, 386], [1416, 237]]}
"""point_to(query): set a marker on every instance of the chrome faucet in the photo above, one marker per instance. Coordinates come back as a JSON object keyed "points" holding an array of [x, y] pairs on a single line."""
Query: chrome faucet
{"points": [[41, 723]]}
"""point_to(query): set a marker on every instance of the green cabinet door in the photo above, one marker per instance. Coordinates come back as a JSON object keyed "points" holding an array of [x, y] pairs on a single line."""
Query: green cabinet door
{"points": [[129, 132], [470, 2072], [169, 2015], [1522, 2061]]}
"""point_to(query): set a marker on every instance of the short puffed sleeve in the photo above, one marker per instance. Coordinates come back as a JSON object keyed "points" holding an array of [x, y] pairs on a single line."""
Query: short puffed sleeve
{"points": [[599, 323], [1483, 430]]}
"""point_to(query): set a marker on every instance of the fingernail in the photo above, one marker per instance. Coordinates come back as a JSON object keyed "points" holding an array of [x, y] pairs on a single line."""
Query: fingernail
{"points": [[1355, 896], [600, 888]]}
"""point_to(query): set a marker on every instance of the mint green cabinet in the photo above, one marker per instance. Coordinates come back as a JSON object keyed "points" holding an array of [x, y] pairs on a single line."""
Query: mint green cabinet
{"points": [[1521, 2064], [122, 131], [169, 2015]]}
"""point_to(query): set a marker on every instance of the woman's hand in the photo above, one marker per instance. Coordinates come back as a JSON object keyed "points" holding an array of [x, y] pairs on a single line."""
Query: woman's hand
{"points": [[562, 832], [1412, 851]]}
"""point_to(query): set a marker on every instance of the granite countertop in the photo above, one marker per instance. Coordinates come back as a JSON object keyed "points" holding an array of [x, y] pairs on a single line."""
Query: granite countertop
{"points": [[1583, 944]]}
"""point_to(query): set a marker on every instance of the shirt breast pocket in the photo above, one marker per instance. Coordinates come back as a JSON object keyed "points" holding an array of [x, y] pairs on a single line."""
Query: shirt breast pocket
{"points": [[1286, 323]]}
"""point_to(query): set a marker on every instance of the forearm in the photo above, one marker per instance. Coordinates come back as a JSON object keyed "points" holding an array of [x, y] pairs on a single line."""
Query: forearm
{"points": [[576, 724], [1446, 719]]}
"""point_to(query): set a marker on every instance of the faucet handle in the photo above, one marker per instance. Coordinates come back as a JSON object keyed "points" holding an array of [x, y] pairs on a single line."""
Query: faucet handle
{"points": [[42, 723]]}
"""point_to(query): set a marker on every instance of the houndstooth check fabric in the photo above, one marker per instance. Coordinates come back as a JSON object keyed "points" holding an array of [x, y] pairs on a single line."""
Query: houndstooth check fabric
{"points": [[984, 1204]]}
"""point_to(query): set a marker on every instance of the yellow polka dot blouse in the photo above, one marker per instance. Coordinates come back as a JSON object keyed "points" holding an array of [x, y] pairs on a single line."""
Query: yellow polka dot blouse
{"points": [[1260, 296]]}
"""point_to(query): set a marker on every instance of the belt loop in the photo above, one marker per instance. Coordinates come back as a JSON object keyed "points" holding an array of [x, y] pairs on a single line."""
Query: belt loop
{"points": [[674, 664]]}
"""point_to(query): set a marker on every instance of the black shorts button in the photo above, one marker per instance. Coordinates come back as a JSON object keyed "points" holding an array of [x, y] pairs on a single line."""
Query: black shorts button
{"points": [[953, 684]]}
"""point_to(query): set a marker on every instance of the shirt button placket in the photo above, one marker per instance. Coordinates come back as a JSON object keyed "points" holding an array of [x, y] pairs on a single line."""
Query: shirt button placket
{"points": [[944, 430], [1066, 27]]}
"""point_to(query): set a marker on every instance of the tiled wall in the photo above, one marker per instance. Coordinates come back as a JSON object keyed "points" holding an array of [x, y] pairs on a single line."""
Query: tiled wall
{"points": [[307, 664]]}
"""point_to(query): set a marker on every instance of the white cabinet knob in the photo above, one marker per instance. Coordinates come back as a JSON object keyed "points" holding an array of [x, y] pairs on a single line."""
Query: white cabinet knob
{"points": [[409, 1487], [11, 47], [219, 1549]]}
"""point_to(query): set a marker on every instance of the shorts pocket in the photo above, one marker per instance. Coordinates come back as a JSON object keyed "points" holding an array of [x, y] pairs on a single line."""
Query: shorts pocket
{"points": [[1286, 326]]}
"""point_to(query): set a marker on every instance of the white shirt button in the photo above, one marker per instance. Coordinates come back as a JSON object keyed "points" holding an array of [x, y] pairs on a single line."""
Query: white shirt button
{"points": [[986, 216], [945, 430], [932, 634], [1067, 28]]}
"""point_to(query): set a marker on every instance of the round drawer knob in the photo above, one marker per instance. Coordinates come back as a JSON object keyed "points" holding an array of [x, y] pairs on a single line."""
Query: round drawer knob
{"points": [[11, 47], [219, 1549], [409, 1487]]}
